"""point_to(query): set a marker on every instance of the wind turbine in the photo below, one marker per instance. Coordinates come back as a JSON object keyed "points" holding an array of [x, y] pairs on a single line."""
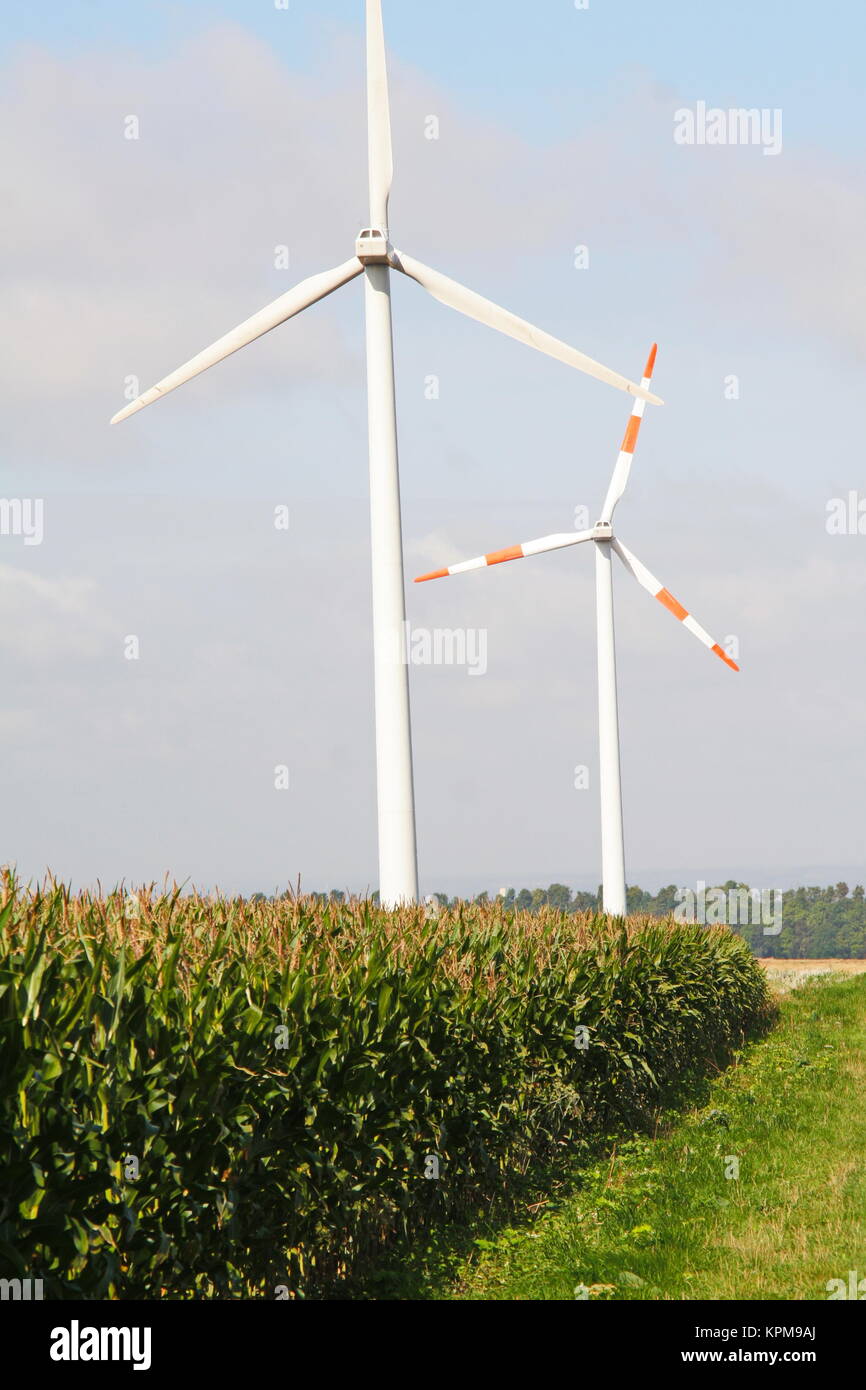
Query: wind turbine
{"points": [[375, 258], [612, 849]]}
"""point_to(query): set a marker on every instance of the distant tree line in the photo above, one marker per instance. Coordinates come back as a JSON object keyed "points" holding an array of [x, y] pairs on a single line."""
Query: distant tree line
{"points": [[560, 897], [816, 922]]}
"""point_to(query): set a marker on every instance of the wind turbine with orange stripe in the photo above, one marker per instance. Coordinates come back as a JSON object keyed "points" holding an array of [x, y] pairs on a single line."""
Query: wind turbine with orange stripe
{"points": [[612, 845]]}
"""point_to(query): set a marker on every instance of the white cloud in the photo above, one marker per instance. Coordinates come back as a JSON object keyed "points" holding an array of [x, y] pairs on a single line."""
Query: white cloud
{"points": [[43, 620]]}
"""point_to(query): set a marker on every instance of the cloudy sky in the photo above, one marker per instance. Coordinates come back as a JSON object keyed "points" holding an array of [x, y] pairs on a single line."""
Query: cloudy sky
{"points": [[122, 257]]}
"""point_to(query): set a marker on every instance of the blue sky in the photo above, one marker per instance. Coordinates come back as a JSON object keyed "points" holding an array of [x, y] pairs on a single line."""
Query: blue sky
{"points": [[123, 258], [519, 62]]}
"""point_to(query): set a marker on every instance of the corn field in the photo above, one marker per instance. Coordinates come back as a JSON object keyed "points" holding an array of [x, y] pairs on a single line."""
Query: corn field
{"points": [[220, 1098]]}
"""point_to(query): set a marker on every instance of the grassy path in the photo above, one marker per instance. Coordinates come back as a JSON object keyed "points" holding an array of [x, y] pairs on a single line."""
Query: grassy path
{"points": [[667, 1218]]}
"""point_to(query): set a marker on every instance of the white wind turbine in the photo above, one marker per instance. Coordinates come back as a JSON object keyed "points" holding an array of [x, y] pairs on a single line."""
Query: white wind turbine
{"points": [[612, 849], [375, 257]]}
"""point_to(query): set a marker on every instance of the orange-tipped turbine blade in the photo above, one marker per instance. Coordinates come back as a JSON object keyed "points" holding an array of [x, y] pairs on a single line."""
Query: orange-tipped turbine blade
{"points": [[515, 552], [622, 468], [653, 586]]}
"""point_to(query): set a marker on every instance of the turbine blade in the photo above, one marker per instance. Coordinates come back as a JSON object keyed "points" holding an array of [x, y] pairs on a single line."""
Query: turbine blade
{"points": [[516, 552], [651, 584], [475, 307], [294, 302], [622, 470], [378, 117]]}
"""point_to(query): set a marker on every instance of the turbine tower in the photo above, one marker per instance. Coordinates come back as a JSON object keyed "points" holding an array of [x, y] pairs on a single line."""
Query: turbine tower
{"points": [[375, 258], [612, 844]]}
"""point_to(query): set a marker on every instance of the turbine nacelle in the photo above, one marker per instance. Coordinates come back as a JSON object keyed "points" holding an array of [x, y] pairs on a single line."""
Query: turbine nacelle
{"points": [[373, 246]]}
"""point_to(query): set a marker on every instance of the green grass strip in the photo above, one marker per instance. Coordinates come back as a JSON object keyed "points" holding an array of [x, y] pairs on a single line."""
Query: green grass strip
{"points": [[666, 1218]]}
